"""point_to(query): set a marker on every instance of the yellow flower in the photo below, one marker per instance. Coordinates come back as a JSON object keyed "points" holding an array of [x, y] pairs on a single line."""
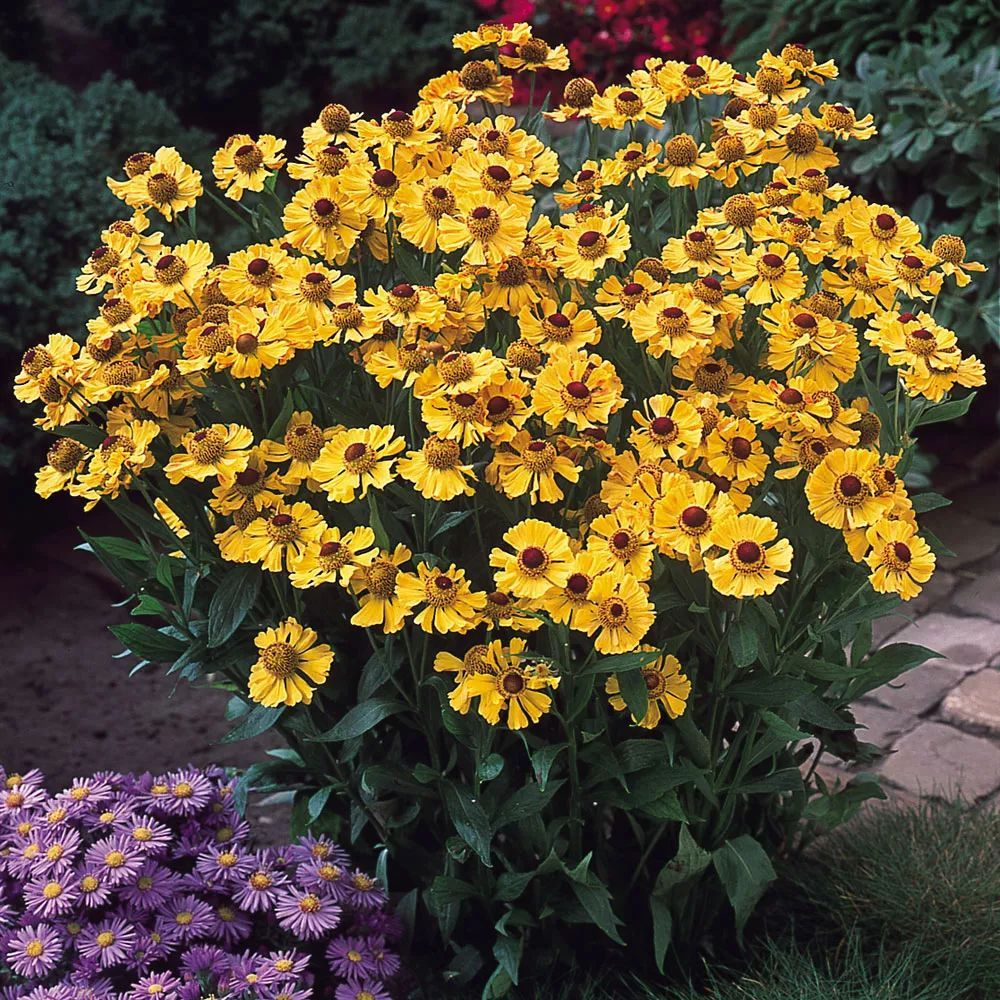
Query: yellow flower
{"points": [[65, 459], [705, 75], [840, 120], [450, 604], [355, 459], [841, 492], [533, 54], [577, 100], [734, 451], [683, 518], [619, 611], [256, 345], [421, 209], [822, 351], [165, 183], [253, 483], [621, 544], [489, 233], [457, 417], [685, 163], [672, 322], [582, 389], [749, 566], [908, 339], [333, 557], [254, 275], [619, 299], [800, 149], [566, 603], [619, 106], [900, 560], [666, 687], [322, 220], [588, 243], [243, 164], [879, 231], [404, 305], [526, 465], [703, 251], [560, 327], [771, 271], [290, 664], [950, 252], [173, 275], [935, 382], [510, 684], [301, 446], [382, 600], [281, 540], [221, 450], [541, 559], [437, 471], [471, 663]]}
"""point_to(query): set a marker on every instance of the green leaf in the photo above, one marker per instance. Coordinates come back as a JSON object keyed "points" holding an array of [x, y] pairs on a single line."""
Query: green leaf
{"points": [[814, 710], [510, 886], [620, 663], [886, 664], [781, 728], [742, 641], [542, 761], [745, 871], [449, 521], [831, 808], [596, 900], [277, 429], [375, 522], [470, 820], [924, 502], [945, 411], [663, 929], [260, 720], [527, 801], [361, 719], [490, 767], [634, 691], [766, 691], [785, 779], [447, 890], [148, 643], [689, 862], [232, 600], [507, 951], [317, 803]]}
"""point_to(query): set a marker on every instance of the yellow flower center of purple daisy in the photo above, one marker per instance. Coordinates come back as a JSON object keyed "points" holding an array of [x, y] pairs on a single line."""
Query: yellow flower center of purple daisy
{"points": [[310, 903]]}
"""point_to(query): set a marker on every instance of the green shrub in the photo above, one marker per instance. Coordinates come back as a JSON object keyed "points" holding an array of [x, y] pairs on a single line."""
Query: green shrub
{"points": [[52, 143], [274, 63]]}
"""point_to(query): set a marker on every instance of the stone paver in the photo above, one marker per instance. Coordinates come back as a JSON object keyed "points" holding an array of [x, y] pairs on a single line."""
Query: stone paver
{"points": [[970, 538], [935, 759], [980, 596], [965, 643], [920, 689], [975, 703], [882, 725], [936, 591], [982, 501]]}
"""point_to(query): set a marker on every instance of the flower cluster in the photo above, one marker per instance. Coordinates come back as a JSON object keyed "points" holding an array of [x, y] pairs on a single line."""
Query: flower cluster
{"points": [[150, 888]]}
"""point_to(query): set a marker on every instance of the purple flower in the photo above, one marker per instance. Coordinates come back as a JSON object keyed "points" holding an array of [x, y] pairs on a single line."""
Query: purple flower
{"points": [[287, 991], [84, 794], [248, 972], [369, 989], [324, 877], [259, 889], [305, 914], [51, 897], [204, 960], [287, 963], [94, 887], [189, 916], [223, 866], [231, 925], [115, 857], [109, 942], [386, 962], [188, 792], [364, 892], [145, 834], [156, 986], [150, 887], [34, 951], [316, 849], [351, 957]]}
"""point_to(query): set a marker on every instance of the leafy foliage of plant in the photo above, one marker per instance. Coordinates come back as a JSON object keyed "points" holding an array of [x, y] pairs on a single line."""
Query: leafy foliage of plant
{"points": [[52, 142]]}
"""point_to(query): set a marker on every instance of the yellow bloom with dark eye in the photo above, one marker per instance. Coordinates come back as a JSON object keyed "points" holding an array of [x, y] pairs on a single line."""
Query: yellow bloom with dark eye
{"points": [[841, 492], [774, 82], [734, 451], [477, 80], [457, 416], [280, 540], [619, 612], [322, 161], [934, 382], [449, 602], [527, 465], [798, 58], [841, 121], [565, 603], [421, 207], [333, 557], [313, 287], [772, 272], [861, 291], [254, 484], [708, 252], [621, 544], [559, 327], [900, 560], [373, 189], [667, 428], [290, 664], [119, 458], [788, 408], [405, 305], [762, 121], [666, 688], [752, 558], [540, 559], [492, 33], [618, 297], [584, 185], [408, 132], [334, 124], [672, 322], [490, 179], [879, 230], [705, 75], [580, 389], [166, 183], [509, 683], [489, 233], [800, 149], [913, 273], [256, 345], [533, 54], [683, 518], [685, 163], [619, 106], [357, 459], [322, 220], [253, 275], [300, 446], [822, 351], [472, 662], [458, 372], [589, 242], [437, 471], [65, 459], [172, 276], [244, 164], [950, 250], [908, 339], [221, 450], [378, 586]]}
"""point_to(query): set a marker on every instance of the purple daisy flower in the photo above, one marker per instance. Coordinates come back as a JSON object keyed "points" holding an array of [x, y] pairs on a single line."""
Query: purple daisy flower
{"points": [[112, 813], [34, 951], [84, 795], [188, 792], [22, 800], [224, 866], [324, 877], [151, 948], [116, 858], [386, 962], [232, 925], [109, 942], [290, 990], [311, 848], [368, 989], [146, 834], [351, 957], [150, 887], [305, 914], [364, 892], [60, 848], [51, 897], [247, 972], [156, 986], [287, 963], [204, 960], [259, 889], [189, 916]]}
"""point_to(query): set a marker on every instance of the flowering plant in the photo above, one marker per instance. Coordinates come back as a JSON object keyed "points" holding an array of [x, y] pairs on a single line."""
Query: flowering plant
{"points": [[532, 496], [150, 888]]}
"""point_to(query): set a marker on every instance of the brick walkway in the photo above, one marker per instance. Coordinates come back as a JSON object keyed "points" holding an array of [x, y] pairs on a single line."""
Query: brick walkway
{"points": [[940, 724]]}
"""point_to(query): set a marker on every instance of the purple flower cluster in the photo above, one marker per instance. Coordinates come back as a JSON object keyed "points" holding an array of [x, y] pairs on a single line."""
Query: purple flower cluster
{"points": [[135, 887]]}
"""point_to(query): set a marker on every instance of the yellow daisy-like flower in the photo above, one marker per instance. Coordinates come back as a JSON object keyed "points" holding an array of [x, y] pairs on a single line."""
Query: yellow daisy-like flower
{"points": [[509, 683], [934, 382], [526, 465], [281, 540], [672, 322], [382, 600], [244, 164], [577, 101], [749, 566], [900, 560], [619, 106], [437, 470], [705, 75], [581, 389], [879, 230], [667, 688], [541, 559], [618, 299], [301, 446], [685, 163], [471, 663], [684, 517], [165, 183], [449, 602], [841, 121], [667, 428], [256, 346], [221, 450], [534, 54], [290, 664], [734, 451], [588, 243], [421, 209], [333, 557], [772, 272], [404, 305], [800, 149], [488, 233], [841, 492], [708, 252], [253, 275], [559, 327], [322, 220], [355, 459], [254, 483], [619, 611], [621, 544], [173, 276], [950, 251], [65, 459]]}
